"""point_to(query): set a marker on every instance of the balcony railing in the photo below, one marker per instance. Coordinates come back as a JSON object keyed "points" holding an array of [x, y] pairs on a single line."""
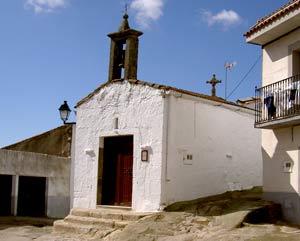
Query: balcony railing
{"points": [[277, 101]]}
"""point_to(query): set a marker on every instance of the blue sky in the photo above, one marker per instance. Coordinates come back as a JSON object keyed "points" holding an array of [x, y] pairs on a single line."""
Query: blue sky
{"points": [[55, 50]]}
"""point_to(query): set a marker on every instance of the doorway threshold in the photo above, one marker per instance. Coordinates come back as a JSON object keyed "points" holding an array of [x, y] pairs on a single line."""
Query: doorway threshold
{"points": [[114, 207]]}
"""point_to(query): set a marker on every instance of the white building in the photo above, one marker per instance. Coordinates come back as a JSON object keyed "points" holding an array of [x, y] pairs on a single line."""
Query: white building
{"points": [[278, 105], [147, 145], [35, 175]]}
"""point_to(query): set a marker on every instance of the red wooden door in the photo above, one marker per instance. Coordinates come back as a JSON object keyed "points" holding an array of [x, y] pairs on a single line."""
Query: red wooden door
{"points": [[124, 180]]}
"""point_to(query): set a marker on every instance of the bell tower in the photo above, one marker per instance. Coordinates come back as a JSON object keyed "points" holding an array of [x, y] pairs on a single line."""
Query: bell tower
{"points": [[124, 52]]}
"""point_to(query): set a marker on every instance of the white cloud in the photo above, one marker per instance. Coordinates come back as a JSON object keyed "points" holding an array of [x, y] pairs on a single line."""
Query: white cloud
{"points": [[147, 11], [42, 6], [225, 18]]}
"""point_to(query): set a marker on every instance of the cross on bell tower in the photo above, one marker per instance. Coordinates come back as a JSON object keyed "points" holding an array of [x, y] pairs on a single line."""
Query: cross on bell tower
{"points": [[124, 51], [213, 83]]}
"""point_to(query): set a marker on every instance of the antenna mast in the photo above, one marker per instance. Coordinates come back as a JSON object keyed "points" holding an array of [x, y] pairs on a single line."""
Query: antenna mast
{"points": [[228, 66]]}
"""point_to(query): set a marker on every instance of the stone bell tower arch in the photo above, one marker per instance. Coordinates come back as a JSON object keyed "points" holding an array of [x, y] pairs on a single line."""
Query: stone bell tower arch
{"points": [[124, 52]]}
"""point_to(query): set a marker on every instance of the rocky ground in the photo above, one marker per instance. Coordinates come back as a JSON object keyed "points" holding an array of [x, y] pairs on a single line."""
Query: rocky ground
{"points": [[169, 227], [232, 216]]}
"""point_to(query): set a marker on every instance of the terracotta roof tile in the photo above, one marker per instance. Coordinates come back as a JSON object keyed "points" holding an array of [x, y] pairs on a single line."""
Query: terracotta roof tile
{"points": [[269, 19]]}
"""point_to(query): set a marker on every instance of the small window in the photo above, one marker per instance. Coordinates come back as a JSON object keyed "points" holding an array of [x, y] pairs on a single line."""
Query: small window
{"points": [[116, 123], [189, 157]]}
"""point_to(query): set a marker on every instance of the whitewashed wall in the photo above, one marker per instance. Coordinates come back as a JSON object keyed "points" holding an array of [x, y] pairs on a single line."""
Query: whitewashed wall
{"points": [[281, 145], [277, 58], [277, 145], [224, 145], [140, 112]]}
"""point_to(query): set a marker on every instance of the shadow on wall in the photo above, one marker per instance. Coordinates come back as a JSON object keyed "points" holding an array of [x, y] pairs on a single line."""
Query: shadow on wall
{"points": [[280, 176], [276, 55]]}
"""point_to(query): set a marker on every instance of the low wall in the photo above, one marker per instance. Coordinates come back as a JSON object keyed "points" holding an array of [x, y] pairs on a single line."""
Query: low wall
{"points": [[55, 169]]}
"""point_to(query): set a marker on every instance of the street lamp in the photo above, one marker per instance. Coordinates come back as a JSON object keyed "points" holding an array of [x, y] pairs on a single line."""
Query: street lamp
{"points": [[64, 111]]}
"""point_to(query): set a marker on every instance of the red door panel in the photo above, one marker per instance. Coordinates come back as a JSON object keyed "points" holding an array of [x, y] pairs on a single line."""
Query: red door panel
{"points": [[124, 180]]}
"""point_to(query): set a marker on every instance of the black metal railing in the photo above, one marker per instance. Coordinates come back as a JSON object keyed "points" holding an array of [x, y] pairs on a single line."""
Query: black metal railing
{"points": [[277, 101]]}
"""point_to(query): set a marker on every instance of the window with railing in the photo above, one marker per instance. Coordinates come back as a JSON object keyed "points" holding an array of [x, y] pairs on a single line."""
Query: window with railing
{"points": [[278, 100]]}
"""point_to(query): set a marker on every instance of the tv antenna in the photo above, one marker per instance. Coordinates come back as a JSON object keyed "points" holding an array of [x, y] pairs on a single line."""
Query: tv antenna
{"points": [[228, 66]]}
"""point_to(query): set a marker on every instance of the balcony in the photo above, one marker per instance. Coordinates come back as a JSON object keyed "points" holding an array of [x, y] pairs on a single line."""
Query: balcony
{"points": [[278, 105]]}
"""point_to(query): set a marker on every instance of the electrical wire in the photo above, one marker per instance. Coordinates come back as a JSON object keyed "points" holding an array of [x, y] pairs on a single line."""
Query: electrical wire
{"points": [[245, 76]]}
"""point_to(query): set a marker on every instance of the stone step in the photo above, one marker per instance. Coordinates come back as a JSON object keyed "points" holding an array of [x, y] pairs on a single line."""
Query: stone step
{"points": [[99, 222], [114, 207], [61, 226], [106, 213]]}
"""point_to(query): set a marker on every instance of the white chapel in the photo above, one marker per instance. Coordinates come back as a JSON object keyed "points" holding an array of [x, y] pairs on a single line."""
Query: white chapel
{"points": [[145, 145]]}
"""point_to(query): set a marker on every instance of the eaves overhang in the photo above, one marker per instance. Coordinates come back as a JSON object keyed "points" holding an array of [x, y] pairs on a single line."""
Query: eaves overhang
{"points": [[276, 29]]}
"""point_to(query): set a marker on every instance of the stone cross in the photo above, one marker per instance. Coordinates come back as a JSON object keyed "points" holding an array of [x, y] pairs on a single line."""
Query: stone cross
{"points": [[213, 83]]}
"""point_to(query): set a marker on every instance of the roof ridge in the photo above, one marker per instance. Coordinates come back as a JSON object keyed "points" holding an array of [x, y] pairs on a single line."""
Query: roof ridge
{"points": [[39, 135], [161, 87]]}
